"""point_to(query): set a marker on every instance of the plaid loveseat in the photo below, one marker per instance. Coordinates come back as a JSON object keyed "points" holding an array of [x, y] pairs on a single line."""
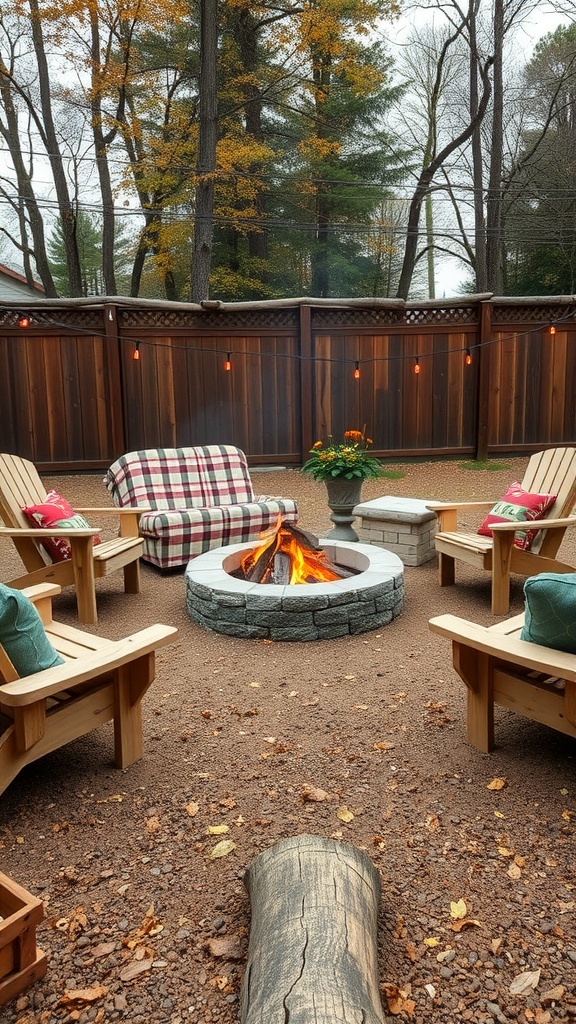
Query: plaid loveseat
{"points": [[200, 498]]}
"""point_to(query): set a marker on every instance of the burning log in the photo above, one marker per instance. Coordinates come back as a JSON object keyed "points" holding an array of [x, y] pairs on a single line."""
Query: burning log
{"points": [[290, 555]]}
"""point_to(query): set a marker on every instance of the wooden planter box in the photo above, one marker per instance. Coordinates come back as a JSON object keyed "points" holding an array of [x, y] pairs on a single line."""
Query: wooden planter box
{"points": [[21, 962]]}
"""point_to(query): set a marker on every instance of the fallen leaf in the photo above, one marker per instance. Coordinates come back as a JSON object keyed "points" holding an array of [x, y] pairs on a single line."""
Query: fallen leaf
{"points": [[553, 995], [458, 910], [222, 849], [217, 830], [525, 983], [466, 922], [498, 814], [220, 981], [431, 942], [225, 946], [83, 995], [344, 814], [114, 799], [496, 945], [313, 793], [384, 745], [135, 969], [496, 784], [398, 1000], [103, 949]]}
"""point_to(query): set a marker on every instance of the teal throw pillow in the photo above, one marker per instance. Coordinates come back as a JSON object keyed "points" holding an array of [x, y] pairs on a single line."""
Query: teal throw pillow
{"points": [[22, 634], [550, 616]]}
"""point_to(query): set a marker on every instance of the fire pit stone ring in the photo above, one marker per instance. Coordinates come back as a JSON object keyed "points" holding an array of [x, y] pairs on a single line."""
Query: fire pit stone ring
{"points": [[371, 598]]}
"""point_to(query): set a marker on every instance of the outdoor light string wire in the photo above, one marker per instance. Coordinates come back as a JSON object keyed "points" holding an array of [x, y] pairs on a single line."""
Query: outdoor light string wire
{"points": [[28, 320]]}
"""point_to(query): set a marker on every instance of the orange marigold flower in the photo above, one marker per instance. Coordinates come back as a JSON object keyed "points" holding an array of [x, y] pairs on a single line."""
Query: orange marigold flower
{"points": [[354, 435], [317, 444]]}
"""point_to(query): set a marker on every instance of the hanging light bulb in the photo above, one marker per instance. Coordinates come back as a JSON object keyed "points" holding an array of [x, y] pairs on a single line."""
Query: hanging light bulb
{"points": [[136, 352], [357, 371], [416, 365], [468, 358], [23, 321], [552, 329], [228, 363]]}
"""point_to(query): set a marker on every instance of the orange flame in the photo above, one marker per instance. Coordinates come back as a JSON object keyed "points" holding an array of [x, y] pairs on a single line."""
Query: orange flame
{"points": [[305, 566]]}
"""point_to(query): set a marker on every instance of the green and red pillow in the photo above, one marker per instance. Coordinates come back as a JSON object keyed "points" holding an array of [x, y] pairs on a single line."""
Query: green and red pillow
{"points": [[518, 505], [55, 512]]}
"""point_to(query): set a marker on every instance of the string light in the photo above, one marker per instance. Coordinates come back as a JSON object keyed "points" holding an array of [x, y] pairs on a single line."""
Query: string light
{"points": [[23, 321], [416, 365], [552, 329], [228, 363], [468, 358], [136, 352], [357, 371]]}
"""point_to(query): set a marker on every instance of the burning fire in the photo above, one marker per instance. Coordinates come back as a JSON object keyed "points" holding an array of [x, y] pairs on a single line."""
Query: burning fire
{"points": [[291, 552]]}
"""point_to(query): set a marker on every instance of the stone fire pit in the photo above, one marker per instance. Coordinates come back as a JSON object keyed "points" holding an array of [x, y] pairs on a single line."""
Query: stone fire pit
{"points": [[310, 611]]}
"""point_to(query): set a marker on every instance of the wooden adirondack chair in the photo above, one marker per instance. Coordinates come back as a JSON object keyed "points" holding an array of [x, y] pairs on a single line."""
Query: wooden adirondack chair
{"points": [[99, 680], [549, 472], [20, 487], [499, 668]]}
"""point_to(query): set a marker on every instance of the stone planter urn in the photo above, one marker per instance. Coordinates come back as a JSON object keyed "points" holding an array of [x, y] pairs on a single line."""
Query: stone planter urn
{"points": [[343, 496]]}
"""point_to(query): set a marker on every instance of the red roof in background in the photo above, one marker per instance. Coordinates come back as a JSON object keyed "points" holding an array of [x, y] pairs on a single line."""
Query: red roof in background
{"points": [[7, 272]]}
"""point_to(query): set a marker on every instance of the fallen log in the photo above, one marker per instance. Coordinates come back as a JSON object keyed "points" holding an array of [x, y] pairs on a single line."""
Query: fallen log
{"points": [[312, 955]]}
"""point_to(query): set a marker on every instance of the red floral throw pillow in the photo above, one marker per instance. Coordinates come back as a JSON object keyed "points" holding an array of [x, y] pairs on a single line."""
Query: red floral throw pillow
{"points": [[55, 511], [518, 505]]}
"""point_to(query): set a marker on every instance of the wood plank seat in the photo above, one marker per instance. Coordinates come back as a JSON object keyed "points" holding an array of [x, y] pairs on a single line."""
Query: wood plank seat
{"points": [[498, 667], [100, 680], [21, 487], [549, 472]]}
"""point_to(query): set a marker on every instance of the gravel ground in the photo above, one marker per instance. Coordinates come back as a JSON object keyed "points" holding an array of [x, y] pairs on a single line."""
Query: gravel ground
{"points": [[143, 925]]}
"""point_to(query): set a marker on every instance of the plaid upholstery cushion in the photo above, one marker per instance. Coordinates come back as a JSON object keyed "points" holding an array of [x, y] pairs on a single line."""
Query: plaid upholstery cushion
{"points": [[166, 478], [172, 538], [202, 499]]}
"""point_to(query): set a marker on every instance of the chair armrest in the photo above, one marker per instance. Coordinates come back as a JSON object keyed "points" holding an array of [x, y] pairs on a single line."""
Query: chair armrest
{"points": [[44, 684], [129, 517], [41, 595], [41, 590], [534, 524], [504, 647], [442, 506], [49, 531], [447, 512]]}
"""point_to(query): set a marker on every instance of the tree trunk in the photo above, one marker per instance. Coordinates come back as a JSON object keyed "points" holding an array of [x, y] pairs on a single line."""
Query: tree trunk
{"points": [[494, 199], [101, 147], [312, 957], [65, 207], [477, 164], [206, 165]]}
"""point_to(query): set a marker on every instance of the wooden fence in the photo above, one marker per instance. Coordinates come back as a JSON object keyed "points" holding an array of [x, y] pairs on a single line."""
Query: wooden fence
{"points": [[492, 378]]}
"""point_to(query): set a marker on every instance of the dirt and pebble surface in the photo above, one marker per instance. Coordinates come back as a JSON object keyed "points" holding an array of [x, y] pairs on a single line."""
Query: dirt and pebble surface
{"points": [[247, 742]]}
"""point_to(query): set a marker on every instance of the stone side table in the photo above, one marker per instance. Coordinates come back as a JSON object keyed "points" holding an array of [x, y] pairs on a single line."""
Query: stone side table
{"points": [[402, 525]]}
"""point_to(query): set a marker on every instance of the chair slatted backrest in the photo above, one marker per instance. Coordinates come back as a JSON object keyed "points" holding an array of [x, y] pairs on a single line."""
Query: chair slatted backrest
{"points": [[552, 472], [20, 485]]}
